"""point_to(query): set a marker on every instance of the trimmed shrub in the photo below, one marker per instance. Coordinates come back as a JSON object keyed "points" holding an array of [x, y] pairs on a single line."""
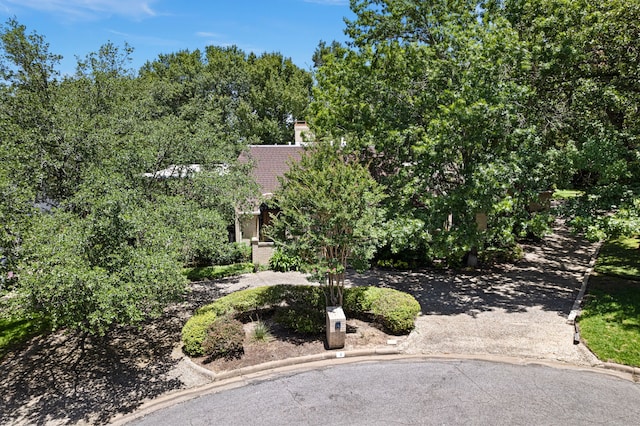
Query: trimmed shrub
{"points": [[300, 320], [243, 301], [195, 331], [394, 310], [301, 308], [225, 338]]}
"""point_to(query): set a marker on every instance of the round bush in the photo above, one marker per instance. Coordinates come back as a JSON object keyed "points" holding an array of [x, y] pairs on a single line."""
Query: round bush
{"points": [[301, 308], [394, 310], [225, 338], [195, 331], [300, 320]]}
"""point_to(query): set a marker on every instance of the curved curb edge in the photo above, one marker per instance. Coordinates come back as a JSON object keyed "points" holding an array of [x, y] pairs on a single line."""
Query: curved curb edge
{"points": [[244, 376], [576, 309]]}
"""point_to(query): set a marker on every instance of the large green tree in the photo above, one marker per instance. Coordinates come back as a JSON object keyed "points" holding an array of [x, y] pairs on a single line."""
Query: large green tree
{"points": [[28, 142], [259, 96], [107, 245], [329, 214], [117, 265], [427, 94], [585, 76]]}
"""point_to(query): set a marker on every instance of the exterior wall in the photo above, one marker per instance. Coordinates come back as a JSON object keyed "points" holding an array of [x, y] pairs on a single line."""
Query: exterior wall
{"points": [[302, 133], [261, 252], [246, 229]]}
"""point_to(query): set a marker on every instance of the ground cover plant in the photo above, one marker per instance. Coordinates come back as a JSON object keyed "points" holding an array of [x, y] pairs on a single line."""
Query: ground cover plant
{"points": [[610, 321], [302, 309], [566, 194]]}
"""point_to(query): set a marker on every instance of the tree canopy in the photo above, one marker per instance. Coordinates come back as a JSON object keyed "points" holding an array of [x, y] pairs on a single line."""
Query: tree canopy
{"points": [[584, 73], [96, 235], [329, 214], [472, 108], [430, 98], [462, 111]]}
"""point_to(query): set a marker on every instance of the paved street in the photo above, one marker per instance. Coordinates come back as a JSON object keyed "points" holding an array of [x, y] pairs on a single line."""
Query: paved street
{"points": [[417, 392]]}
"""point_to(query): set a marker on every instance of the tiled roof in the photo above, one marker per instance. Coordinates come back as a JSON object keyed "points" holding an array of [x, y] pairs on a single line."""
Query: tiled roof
{"points": [[272, 161]]}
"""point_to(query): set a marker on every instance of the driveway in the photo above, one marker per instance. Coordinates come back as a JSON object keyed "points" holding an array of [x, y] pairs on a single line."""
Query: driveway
{"points": [[516, 310]]}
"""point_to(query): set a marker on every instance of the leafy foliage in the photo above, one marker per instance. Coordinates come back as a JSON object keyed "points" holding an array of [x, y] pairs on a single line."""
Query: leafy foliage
{"points": [[328, 215], [106, 269], [394, 310], [429, 97], [301, 320], [584, 70], [301, 308], [225, 338], [281, 261], [97, 232]]}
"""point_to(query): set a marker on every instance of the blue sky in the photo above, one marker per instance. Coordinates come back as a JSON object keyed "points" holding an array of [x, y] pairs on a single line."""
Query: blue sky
{"points": [[77, 27]]}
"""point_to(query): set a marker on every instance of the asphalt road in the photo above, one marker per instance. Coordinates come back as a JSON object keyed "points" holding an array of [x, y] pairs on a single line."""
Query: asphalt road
{"points": [[417, 392]]}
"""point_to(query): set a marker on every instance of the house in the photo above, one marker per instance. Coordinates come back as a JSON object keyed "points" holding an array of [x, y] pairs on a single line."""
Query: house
{"points": [[270, 163]]}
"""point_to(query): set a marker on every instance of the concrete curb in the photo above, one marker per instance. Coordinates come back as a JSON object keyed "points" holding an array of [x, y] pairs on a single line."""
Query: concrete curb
{"points": [[245, 376], [634, 371], [307, 359], [576, 309]]}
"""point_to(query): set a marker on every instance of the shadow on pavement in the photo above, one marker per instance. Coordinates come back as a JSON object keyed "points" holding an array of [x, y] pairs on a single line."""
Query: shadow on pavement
{"points": [[48, 382], [550, 277], [52, 382]]}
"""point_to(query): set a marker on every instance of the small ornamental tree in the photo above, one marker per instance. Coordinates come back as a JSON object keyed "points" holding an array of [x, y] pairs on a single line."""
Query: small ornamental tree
{"points": [[329, 215]]}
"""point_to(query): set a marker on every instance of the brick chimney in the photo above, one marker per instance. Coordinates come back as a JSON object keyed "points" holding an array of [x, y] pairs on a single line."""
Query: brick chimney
{"points": [[302, 133]]}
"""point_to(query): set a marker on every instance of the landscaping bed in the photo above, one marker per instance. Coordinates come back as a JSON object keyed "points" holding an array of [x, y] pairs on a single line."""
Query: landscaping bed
{"points": [[285, 343], [222, 334]]}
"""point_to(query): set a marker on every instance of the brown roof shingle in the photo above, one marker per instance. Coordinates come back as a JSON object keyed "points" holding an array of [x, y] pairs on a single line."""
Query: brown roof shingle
{"points": [[271, 161]]}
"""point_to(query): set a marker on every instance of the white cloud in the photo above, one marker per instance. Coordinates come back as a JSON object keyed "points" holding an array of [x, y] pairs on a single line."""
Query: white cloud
{"points": [[208, 35], [90, 9], [329, 2]]}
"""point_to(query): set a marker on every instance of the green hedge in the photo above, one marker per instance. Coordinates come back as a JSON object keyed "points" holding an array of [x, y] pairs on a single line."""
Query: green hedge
{"points": [[396, 311], [393, 310]]}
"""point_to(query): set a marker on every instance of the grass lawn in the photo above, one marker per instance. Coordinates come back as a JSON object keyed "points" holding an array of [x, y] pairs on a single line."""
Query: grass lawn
{"points": [[565, 194], [620, 258], [610, 320], [15, 331]]}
